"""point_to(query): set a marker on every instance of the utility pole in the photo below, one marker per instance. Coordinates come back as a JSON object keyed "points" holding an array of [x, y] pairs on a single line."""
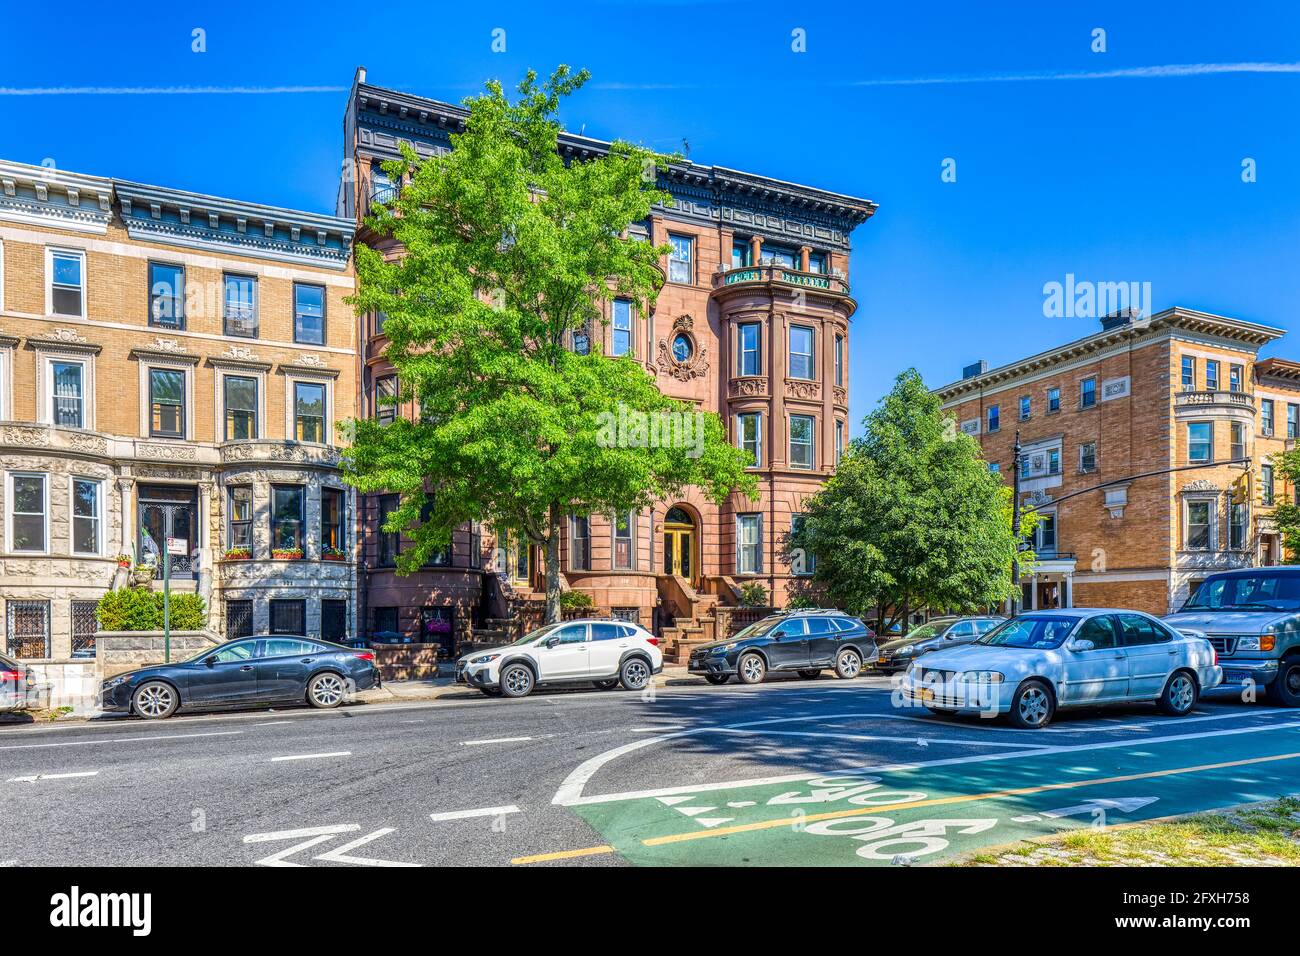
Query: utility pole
{"points": [[1015, 521]]}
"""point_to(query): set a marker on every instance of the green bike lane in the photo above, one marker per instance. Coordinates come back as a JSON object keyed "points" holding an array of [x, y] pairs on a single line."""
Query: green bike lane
{"points": [[931, 810]]}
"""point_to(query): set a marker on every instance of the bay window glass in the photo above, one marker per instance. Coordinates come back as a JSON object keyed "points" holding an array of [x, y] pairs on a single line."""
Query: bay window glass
{"points": [[749, 435], [801, 441], [85, 516], [801, 352], [751, 338], [27, 513], [309, 411], [239, 499], [240, 395], [621, 333], [286, 516]]}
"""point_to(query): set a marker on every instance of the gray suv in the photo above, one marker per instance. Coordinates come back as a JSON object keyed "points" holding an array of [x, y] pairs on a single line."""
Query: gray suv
{"points": [[1252, 617]]}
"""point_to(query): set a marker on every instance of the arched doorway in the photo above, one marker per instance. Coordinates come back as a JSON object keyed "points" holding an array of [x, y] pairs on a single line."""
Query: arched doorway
{"points": [[679, 544]]}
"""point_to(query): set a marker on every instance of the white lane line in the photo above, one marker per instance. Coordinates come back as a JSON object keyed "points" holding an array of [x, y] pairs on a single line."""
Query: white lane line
{"points": [[571, 793], [654, 730], [272, 723], [480, 812], [924, 741], [121, 740], [304, 832], [335, 753], [52, 776], [494, 740]]}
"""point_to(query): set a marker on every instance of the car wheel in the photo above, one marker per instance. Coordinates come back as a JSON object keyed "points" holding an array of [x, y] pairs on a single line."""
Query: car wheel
{"points": [[606, 684], [717, 679], [635, 673], [751, 669], [155, 700], [1179, 696], [848, 665], [326, 690], [810, 673], [1032, 707], [516, 681], [1285, 688]]}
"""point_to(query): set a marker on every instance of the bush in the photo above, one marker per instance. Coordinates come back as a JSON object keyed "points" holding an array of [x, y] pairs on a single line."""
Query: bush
{"points": [[800, 602], [576, 600], [140, 609], [753, 594]]}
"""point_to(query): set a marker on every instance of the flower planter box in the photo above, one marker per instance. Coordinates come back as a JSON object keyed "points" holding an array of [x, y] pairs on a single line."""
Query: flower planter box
{"points": [[333, 557], [286, 555], [238, 556]]}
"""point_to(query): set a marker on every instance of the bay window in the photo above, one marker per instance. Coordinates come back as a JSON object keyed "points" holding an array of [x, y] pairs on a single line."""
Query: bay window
{"points": [[749, 435], [801, 352], [802, 428], [86, 516]]}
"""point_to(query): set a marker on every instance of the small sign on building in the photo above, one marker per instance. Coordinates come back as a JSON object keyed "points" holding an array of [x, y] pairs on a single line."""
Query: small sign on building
{"points": [[178, 547]]}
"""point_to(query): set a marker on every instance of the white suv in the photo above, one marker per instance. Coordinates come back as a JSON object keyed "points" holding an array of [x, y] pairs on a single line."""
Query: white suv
{"points": [[606, 653]]}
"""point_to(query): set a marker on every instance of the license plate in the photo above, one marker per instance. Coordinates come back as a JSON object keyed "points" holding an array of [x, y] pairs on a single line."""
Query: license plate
{"points": [[925, 693], [882, 660]]}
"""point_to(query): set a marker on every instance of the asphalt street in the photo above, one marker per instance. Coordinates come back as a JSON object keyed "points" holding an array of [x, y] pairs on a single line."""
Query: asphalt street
{"points": [[822, 772]]}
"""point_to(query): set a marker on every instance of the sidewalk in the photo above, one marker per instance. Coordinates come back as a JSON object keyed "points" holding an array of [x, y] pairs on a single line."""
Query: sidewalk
{"points": [[440, 687]]}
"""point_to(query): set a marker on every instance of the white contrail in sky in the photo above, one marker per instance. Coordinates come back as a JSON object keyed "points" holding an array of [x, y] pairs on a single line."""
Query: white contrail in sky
{"points": [[161, 90]]}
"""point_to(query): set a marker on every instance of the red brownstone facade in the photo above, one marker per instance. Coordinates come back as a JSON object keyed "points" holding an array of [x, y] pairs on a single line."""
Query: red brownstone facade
{"points": [[752, 324]]}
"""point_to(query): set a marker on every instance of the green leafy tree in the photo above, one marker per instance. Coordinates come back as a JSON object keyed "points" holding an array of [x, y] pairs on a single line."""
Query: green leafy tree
{"points": [[913, 518], [1286, 513], [509, 252]]}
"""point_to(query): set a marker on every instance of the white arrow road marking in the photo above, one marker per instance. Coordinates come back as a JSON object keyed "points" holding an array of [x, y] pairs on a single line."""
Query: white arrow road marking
{"points": [[672, 801], [336, 753], [1124, 804], [466, 814], [693, 811], [340, 854], [712, 821], [51, 776], [316, 835]]}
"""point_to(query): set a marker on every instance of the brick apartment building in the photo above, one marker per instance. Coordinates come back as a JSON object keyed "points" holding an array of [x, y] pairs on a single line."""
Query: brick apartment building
{"points": [[170, 364], [1176, 415], [752, 324]]}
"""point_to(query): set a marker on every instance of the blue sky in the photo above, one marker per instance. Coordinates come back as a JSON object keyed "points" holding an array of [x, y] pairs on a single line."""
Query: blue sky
{"points": [[1110, 178]]}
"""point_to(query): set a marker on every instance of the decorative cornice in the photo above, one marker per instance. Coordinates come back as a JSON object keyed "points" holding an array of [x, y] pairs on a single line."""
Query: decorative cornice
{"points": [[308, 365], [164, 355], [63, 340], [8, 341], [42, 195]]}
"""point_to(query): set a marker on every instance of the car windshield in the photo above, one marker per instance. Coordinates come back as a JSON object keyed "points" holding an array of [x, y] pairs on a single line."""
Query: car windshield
{"points": [[1265, 591], [758, 628], [931, 629], [1033, 631], [536, 635]]}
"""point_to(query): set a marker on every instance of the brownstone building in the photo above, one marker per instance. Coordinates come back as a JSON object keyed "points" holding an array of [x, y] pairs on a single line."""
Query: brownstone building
{"points": [[171, 366], [1145, 449], [752, 324]]}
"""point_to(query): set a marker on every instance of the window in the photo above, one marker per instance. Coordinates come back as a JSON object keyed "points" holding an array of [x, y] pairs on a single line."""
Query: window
{"points": [[740, 254], [749, 435], [84, 626], [801, 441], [239, 619], [386, 399], [286, 517], [1197, 535], [1200, 441], [1026, 407], [1189, 373], [579, 543], [240, 395], [1100, 631], [288, 617], [1053, 461], [751, 339], [1266, 485], [839, 360], [239, 507], [1235, 375], [1211, 375], [1292, 420], [1238, 448], [816, 262], [839, 441], [390, 542], [385, 620], [1088, 456], [280, 647], [1045, 534], [604, 631], [1266, 417], [67, 270], [621, 334], [581, 341], [801, 352], [778, 256], [68, 394], [749, 544], [86, 514], [1088, 393], [1053, 400], [28, 628], [309, 314], [333, 526], [680, 259], [994, 418], [802, 563], [240, 306], [167, 295], [27, 510], [1139, 630], [995, 467], [166, 403], [1237, 521], [334, 621], [624, 536], [309, 411]]}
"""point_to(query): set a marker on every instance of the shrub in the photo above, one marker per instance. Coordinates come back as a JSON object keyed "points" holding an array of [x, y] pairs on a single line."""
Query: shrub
{"points": [[753, 594], [800, 602], [140, 609], [576, 600]]}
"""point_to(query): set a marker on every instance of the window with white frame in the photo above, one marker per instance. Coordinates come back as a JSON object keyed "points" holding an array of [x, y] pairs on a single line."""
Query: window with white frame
{"points": [[1266, 488], [309, 313], [1026, 407], [1211, 375], [801, 363], [839, 441], [1238, 520], [749, 435], [309, 411], [1088, 392], [1041, 462], [239, 395], [1189, 373], [65, 293], [681, 259], [1292, 420], [1045, 534], [1200, 442], [1238, 441], [624, 541], [1198, 524], [87, 510], [802, 429], [1266, 417], [1053, 400], [67, 393], [839, 360], [29, 508], [749, 544], [167, 295], [621, 327], [166, 403], [239, 305], [579, 543], [1236, 375], [750, 337]]}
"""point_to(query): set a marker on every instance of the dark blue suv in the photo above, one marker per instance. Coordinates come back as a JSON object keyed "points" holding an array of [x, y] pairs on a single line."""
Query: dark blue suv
{"points": [[806, 642]]}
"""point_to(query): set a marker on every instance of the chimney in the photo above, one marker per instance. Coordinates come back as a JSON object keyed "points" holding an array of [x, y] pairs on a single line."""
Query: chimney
{"points": [[977, 369]]}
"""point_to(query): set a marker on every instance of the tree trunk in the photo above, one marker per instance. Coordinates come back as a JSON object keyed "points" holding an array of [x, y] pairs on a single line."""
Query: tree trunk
{"points": [[553, 566]]}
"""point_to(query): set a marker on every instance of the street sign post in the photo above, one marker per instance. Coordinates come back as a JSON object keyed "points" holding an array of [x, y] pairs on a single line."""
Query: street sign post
{"points": [[174, 546]]}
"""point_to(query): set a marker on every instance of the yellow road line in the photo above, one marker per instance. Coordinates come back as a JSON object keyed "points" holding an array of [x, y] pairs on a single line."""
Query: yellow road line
{"points": [[564, 855], [939, 801]]}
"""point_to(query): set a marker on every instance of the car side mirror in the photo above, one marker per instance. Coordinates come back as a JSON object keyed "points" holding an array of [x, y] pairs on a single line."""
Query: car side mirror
{"points": [[552, 641], [210, 659], [1081, 645]]}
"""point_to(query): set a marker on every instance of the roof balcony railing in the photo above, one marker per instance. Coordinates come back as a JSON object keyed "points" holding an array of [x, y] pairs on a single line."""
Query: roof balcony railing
{"points": [[784, 275]]}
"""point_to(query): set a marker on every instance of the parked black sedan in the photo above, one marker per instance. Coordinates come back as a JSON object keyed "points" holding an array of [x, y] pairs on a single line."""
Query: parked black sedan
{"points": [[250, 672], [806, 642]]}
